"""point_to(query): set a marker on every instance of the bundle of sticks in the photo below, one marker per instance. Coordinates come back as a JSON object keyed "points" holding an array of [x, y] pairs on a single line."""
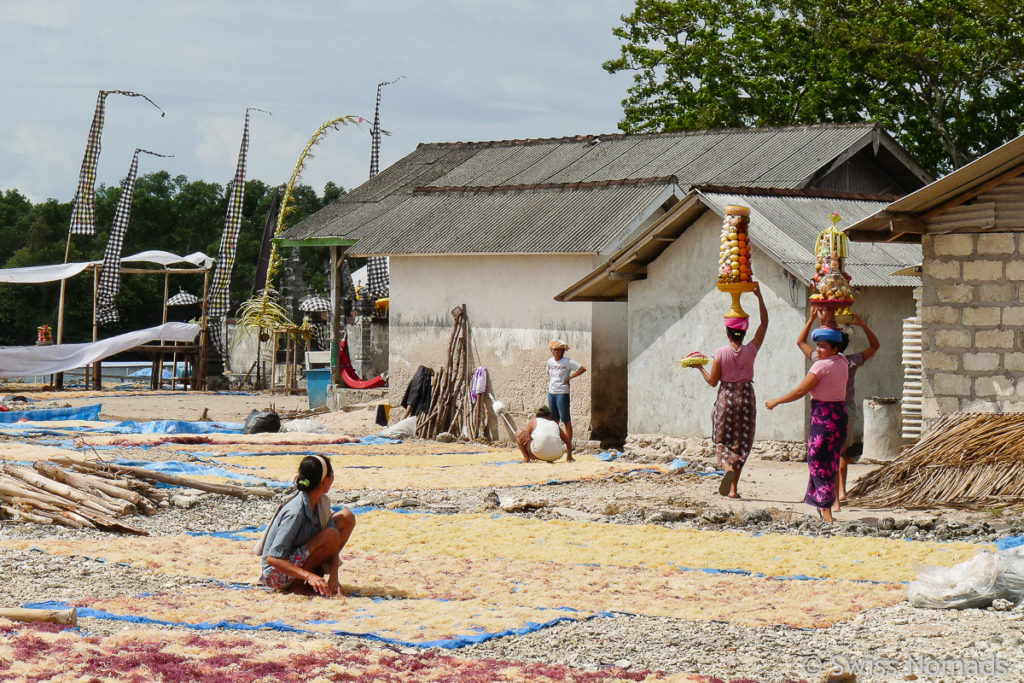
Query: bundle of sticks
{"points": [[966, 460], [451, 406], [93, 494]]}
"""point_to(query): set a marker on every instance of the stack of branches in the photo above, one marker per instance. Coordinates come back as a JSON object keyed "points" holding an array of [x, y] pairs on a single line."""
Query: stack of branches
{"points": [[966, 460], [451, 405], [86, 494]]}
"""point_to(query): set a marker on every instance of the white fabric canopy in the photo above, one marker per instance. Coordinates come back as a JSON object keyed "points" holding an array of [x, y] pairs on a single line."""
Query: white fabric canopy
{"points": [[26, 361], [62, 271]]}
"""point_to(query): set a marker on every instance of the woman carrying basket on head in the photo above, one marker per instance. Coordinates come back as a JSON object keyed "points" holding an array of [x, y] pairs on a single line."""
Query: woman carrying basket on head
{"points": [[735, 414], [826, 383]]}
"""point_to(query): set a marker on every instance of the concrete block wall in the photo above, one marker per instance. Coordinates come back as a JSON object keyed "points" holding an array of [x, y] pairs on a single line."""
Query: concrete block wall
{"points": [[972, 313]]}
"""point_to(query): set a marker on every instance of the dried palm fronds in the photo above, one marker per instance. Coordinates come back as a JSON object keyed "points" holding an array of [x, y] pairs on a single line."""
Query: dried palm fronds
{"points": [[966, 460]]}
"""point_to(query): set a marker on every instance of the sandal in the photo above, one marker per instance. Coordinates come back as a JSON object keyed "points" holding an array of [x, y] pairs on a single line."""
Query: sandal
{"points": [[726, 484]]}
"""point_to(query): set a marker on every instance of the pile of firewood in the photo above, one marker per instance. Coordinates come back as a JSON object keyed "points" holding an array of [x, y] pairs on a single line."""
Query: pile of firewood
{"points": [[451, 406], [93, 494]]}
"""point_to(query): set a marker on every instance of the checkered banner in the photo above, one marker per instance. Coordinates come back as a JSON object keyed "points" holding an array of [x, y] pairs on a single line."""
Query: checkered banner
{"points": [[83, 214], [376, 131], [220, 295], [110, 276], [377, 282]]}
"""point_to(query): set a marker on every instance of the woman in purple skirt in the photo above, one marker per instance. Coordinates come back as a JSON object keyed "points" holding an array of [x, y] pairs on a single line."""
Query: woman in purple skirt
{"points": [[826, 383]]}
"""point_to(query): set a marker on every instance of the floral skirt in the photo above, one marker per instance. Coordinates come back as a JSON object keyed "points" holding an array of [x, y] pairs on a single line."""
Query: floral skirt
{"points": [[733, 422], [824, 444]]}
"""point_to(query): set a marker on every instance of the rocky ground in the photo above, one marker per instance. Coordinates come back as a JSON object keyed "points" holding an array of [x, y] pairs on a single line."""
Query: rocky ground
{"points": [[883, 644]]}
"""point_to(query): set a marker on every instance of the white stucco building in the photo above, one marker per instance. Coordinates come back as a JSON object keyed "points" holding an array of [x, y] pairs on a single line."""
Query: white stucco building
{"points": [[505, 226]]}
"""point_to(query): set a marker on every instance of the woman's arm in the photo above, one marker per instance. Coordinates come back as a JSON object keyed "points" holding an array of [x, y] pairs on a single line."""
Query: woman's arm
{"points": [[802, 389], [762, 328], [713, 376], [801, 340], [873, 342], [316, 582]]}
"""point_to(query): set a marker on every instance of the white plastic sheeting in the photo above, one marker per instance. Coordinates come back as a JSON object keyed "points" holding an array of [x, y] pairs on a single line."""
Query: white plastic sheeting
{"points": [[25, 361], [62, 271]]}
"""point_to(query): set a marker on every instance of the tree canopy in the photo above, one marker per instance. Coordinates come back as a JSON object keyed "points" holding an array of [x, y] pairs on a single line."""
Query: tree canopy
{"points": [[944, 76], [169, 213]]}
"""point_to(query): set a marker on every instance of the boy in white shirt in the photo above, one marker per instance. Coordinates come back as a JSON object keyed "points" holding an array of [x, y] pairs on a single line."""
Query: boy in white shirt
{"points": [[561, 371]]}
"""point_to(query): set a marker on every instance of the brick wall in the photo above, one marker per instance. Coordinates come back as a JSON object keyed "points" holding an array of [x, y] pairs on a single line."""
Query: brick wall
{"points": [[973, 318]]}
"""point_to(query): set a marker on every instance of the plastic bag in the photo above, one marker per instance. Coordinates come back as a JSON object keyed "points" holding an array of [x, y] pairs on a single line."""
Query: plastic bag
{"points": [[261, 421], [974, 583], [404, 429], [305, 425]]}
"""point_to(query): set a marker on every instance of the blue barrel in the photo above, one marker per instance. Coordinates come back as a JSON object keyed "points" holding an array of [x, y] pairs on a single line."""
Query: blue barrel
{"points": [[317, 382]]}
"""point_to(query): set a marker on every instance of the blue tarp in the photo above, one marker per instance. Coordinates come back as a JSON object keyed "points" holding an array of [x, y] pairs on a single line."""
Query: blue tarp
{"points": [[172, 427], [450, 643], [45, 414], [1009, 542]]}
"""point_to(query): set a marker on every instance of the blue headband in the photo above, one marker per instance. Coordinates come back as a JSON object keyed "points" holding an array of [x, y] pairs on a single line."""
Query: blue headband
{"points": [[828, 334]]}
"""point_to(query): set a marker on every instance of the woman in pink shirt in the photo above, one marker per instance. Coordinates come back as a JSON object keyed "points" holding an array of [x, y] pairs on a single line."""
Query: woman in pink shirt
{"points": [[826, 383], [735, 413]]}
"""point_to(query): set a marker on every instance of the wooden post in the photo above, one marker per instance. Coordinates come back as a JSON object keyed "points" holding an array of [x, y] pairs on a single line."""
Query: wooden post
{"points": [[97, 379], [199, 375], [59, 380], [336, 259], [160, 362]]}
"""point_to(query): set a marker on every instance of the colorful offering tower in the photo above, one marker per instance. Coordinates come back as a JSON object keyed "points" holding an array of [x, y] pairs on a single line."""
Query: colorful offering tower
{"points": [[831, 288], [735, 272]]}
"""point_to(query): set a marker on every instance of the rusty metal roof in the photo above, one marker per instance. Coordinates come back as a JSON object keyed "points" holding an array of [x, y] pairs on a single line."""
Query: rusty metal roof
{"points": [[398, 212]]}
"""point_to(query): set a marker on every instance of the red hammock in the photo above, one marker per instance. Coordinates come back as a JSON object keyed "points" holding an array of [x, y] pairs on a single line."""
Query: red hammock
{"points": [[349, 376]]}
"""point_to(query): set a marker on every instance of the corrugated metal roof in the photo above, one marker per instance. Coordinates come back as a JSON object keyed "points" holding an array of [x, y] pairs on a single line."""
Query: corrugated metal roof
{"points": [[554, 220], [787, 228], [764, 157]]}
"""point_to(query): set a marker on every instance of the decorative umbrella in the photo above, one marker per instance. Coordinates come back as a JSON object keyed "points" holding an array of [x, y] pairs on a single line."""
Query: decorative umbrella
{"points": [[183, 298], [313, 303]]}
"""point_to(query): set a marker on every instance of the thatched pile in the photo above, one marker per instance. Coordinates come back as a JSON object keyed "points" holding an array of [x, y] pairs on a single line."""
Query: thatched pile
{"points": [[966, 460]]}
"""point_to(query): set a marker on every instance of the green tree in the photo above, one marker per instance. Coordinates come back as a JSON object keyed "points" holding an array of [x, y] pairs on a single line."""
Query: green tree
{"points": [[943, 75]]}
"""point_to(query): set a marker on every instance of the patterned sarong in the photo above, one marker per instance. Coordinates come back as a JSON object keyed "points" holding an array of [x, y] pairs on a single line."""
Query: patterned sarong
{"points": [[733, 422], [824, 444]]}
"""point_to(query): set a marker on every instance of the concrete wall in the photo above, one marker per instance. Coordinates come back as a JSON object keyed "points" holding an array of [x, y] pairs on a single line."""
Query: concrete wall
{"points": [[377, 362], [512, 316], [883, 309], [972, 316], [678, 309]]}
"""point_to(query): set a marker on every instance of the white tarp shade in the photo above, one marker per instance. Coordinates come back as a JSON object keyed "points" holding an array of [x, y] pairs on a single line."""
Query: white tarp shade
{"points": [[62, 271], [26, 361]]}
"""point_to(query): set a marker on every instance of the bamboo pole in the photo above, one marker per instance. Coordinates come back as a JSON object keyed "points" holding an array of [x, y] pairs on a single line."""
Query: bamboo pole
{"points": [[225, 489], [53, 616]]}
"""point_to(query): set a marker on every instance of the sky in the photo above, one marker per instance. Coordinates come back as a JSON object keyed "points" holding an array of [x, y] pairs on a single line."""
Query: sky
{"points": [[473, 70]]}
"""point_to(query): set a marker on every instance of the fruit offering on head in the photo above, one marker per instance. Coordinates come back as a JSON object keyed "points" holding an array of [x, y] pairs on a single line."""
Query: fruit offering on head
{"points": [[734, 264], [831, 283]]}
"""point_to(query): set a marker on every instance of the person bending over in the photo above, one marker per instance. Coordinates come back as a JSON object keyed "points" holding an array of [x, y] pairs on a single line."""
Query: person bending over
{"points": [[543, 439]]}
